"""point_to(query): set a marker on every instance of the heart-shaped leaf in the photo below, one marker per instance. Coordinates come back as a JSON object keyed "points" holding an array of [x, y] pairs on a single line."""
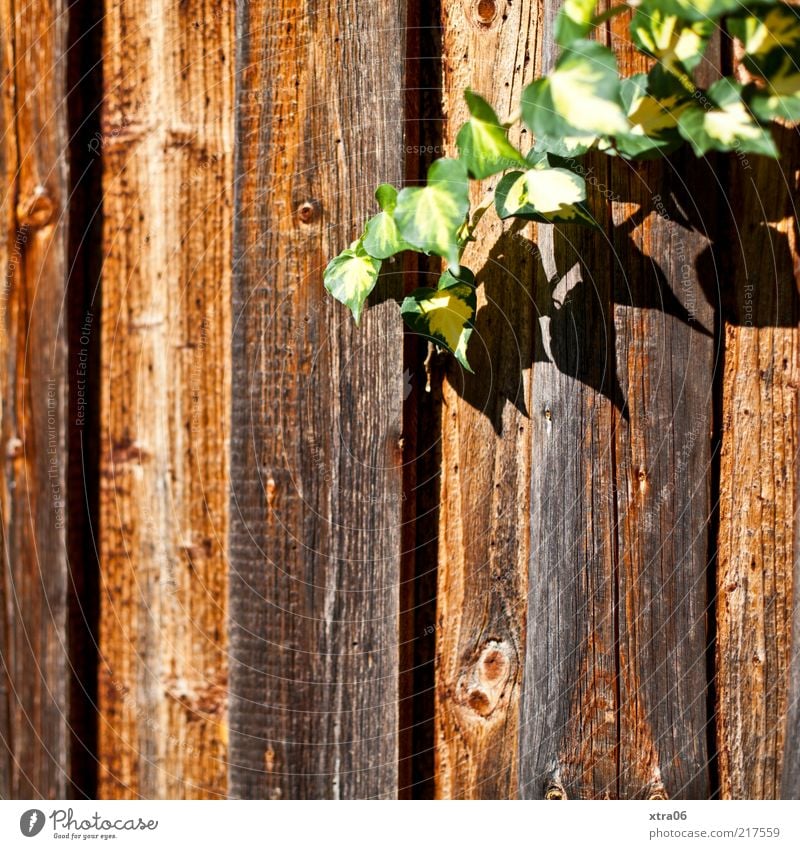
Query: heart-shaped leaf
{"points": [[482, 142], [445, 315], [430, 218], [727, 125], [580, 97], [382, 237], [551, 195], [673, 41], [351, 276]]}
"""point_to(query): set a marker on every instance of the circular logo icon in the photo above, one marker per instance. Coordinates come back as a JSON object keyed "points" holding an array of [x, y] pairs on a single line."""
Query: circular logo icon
{"points": [[31, 822]]}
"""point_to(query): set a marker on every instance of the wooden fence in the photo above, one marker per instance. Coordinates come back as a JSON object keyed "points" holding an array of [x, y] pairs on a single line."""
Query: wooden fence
{"points": [[250, 550]]}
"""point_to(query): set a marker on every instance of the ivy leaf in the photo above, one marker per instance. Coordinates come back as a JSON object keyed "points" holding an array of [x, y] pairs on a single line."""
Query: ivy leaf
{"points": [[445, 314], [551, 195], [351, 276], [567, 147], [728, 125], [381, 238], [674, 42], [780, 96], [574, 21], [653, 116], [430, 217], [769, 38], [482, 142], [580, 97], [699, 10]]}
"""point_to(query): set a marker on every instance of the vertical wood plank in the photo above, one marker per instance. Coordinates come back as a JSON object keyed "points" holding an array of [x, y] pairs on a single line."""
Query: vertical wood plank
{"points": [[664, 343], [757, 546], [485, 455], [34, 759], [790, 786], [167, 142], [616, 649], [569, 735], [316, 453]]}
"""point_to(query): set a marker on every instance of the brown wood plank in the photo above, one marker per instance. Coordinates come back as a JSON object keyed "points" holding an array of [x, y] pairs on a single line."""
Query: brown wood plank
{"points": [[167, 142], [616, 649], [790, 785], [485, 448], [568, 737], [758, 473], [316, 452], [34, 759], [664, 286]]}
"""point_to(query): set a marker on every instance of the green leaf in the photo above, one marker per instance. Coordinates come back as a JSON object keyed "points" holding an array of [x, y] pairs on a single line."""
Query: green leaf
{"points": [[779, 97], [653, 118], [482, 141], [552, 195], [382, 238], [351, 276], [580, 97], [699, 10], [769, 38], [574, 21], [567, 147], [445, 315], [430, 218], [675, 42], [727, 125]]}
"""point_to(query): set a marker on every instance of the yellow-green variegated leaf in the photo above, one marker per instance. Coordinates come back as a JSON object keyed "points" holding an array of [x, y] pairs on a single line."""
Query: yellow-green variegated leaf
{"points": [[653, 116], [672, 40], [482, 142], [445, 315], [769, 37], [580, 97], [779, 97], [431, 217], [543, 194], [574, 21], [699, 10], [351, 276], [728, 125]]}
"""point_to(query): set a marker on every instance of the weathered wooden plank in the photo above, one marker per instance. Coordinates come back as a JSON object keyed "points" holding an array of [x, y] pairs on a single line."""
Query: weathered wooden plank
{"points": [[568, 737], [790, 786], [664, 345], [485, 449], [758, 473], [167, 142], [316, 454], [616, 648], [34, 761]]}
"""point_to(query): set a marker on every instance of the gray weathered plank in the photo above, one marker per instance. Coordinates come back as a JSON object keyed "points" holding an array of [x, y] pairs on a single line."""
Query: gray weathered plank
{"points": [[316, 454]]}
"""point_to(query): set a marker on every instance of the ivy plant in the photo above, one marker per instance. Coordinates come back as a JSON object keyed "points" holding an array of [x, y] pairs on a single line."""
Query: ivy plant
{"points": [[582, 105]]}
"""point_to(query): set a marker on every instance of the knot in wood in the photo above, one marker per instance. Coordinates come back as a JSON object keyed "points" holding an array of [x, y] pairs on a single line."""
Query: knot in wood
{"points": [[555, 792], [307, 211], [485, 12], [483, 683], [37, 210]]}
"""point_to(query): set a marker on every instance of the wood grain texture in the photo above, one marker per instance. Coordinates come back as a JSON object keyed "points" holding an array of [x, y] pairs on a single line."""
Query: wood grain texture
{"points": [[167, 143], [622, 415], [757, 546], [485, 450], [34, 759], [316, 444], [790, 785], [665, 288]]}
